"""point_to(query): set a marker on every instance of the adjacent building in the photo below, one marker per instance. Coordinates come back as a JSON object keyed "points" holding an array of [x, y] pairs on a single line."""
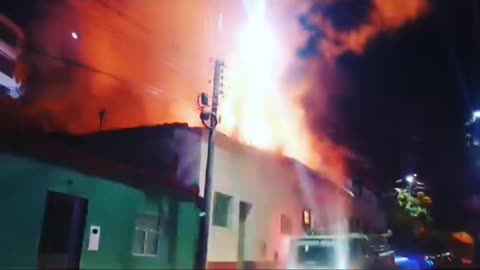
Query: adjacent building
{"points": [[11, 71], [113, 200]]}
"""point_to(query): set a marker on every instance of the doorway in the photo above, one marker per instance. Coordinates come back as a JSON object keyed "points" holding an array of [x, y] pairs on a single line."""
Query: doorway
{"points": [[62, 231], [244, 210]]}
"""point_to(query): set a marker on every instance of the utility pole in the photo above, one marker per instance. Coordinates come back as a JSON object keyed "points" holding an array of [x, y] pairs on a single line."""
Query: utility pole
{"points": [[210, 121]]}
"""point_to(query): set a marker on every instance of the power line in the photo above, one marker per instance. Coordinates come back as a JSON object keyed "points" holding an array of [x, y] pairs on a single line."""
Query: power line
{"points": [[122, 36], [114, 32], [147, 87], [74, 63], [124, 15], [181, 70]]}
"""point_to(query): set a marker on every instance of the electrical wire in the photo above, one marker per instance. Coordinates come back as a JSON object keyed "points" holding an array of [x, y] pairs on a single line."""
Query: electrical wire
{"points": [[124, 16], [121, 36], [74, 63]]}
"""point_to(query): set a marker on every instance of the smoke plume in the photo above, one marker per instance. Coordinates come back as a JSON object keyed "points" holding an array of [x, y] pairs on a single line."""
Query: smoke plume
{"points": [[384, 16], [323, 43]]}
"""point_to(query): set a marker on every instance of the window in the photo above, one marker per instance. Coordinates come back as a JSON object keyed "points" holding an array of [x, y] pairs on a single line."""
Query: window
{"points": [[321, 254], [146, 236], [307, 221], [285, 225], [221, 209]]}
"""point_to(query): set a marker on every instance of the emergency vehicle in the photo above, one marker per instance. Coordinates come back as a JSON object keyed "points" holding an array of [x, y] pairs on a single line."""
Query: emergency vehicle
{"points": [[343, 251]]}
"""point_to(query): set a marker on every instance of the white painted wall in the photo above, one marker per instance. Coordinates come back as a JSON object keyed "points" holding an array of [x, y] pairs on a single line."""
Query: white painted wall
{"points": [[263, 180]]}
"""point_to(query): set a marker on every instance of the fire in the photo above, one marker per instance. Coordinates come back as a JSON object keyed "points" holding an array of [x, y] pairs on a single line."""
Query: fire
{"points": [[259, 109], [268, 116], [158, 53], [256, 109]]}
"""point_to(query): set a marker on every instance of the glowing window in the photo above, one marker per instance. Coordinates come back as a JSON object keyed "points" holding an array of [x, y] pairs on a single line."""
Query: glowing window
{"points": [[306, 217]]}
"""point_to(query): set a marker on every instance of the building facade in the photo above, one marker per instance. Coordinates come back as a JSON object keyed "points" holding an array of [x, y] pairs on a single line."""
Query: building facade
{"points": [[259, 199], [256, 206], [80, 203], [11, 42]]}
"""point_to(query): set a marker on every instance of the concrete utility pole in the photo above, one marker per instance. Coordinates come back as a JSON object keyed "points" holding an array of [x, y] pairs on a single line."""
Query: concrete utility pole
{"points": [[210, 121]]}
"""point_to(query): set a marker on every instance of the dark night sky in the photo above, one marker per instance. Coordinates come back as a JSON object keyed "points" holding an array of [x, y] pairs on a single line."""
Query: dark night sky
{"points": [[409, 96]]}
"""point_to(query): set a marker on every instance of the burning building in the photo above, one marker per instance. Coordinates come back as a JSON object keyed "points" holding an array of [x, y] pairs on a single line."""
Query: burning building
{"points": [[259, 202], [144, 63]]}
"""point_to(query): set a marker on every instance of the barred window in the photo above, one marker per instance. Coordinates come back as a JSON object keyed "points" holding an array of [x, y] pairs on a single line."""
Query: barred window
{"points": [[146, 236]]}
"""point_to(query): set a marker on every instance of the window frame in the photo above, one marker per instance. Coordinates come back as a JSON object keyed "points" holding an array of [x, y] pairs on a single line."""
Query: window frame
{"points": [[147, 232]]}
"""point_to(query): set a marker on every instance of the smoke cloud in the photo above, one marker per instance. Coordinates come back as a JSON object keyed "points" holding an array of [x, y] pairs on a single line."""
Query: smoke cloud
{"points": [[324, 41], [384, 16]]}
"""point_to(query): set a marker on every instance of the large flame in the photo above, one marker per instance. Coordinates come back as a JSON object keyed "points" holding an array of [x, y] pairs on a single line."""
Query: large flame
{"points": [[156, 56]]}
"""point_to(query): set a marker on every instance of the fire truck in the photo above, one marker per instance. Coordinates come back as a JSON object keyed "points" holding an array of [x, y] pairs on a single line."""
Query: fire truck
{"points": [[339, 251], [342, 250]]}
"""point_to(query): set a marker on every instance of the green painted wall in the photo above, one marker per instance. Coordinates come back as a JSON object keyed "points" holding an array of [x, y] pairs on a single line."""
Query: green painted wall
{"points": [[23, 187]]}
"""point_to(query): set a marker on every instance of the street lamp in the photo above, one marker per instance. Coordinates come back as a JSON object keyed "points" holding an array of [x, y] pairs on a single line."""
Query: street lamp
{"points": [[410, 178], [475, 115], [411, 182], [474, 118]]}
